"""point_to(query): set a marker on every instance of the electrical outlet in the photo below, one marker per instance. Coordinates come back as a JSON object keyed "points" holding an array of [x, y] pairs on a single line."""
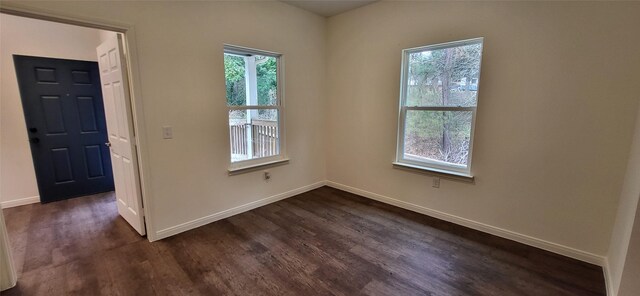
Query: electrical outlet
{"points": [[436, 182], [167, 132], [267, 176]]}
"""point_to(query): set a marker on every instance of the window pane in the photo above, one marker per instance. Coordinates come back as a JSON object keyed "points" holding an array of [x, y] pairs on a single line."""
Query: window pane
{"points": [[444, 77], [267, 76], [235, 80], [254, 134], [437, 136], [251, 80]]}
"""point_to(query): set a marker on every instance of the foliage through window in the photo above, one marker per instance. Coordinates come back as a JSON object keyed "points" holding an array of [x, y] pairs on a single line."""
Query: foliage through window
{"points": [[255, 108], [438, 105]]}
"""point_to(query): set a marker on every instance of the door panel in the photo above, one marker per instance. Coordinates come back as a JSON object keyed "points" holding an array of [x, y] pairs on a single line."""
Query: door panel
{"points": [[119, 115], [62, 165], [64, 112], [52, 109], [93, 158], [87, 114]]}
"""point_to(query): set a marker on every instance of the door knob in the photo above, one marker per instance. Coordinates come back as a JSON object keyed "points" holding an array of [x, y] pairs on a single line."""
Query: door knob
{"points": [[108, 144], [34, 140]]}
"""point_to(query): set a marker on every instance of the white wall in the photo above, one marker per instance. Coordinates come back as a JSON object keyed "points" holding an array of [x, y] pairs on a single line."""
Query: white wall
{"points": [[25, 36], [180, 58], [620, 248], [555, 117], [105, 35]]}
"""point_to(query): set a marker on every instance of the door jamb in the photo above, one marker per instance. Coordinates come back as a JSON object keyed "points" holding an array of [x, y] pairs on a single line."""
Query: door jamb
{"points": [[128, 30]]}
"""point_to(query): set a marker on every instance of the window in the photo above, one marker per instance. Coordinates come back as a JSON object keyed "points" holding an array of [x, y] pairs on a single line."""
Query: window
{"points": [[438, 99], [254, 98]]}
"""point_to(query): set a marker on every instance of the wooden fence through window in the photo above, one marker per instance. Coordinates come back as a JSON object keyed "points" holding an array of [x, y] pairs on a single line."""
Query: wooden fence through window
{"points": [[264, 134]]}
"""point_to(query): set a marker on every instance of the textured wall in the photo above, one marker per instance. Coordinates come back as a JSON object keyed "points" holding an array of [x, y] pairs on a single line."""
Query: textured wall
{"points": [[557, 103]]}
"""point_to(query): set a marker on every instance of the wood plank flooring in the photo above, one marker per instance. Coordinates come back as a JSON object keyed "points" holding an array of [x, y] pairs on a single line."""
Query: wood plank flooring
{"points": [[323, 242]]}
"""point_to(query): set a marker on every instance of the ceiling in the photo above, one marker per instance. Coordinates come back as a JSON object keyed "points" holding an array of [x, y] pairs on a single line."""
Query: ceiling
{"points": [[328, 7]]}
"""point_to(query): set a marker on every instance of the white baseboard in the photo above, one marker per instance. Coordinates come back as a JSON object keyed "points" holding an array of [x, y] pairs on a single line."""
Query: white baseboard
{"points": [[521, 238], [19, 202], [167, 232], [608, 281]]}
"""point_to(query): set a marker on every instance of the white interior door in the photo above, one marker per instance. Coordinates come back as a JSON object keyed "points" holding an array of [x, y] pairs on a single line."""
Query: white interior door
{"points": [[117, 103]]}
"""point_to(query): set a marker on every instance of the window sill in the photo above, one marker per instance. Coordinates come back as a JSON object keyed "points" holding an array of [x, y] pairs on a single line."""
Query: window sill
{"points": [[457, 176], [255, 167]]}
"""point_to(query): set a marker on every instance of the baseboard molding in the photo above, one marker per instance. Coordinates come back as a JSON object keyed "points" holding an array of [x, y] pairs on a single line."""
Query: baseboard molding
{"points": [[521, 238], [608, 281], [19, 202], [167, 232]]}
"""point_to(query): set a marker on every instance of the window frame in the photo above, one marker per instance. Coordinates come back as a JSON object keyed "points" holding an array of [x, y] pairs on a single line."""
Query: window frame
{"points": [[432, 165], [281, 157]]}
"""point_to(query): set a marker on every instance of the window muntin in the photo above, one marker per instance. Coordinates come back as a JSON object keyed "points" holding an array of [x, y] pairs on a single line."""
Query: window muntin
{"points": [[254, 100], [438, 99]]}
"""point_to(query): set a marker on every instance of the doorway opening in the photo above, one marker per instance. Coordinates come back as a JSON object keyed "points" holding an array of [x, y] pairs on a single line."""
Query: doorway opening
{"points": [[69, 175], [65, 120]]}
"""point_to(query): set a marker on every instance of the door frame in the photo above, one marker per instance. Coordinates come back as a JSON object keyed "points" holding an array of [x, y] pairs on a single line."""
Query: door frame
{"points": [[128, 30]]}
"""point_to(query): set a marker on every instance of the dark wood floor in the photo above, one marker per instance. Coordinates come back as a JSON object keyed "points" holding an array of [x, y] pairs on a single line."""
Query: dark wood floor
{"points": [[323, 242]]}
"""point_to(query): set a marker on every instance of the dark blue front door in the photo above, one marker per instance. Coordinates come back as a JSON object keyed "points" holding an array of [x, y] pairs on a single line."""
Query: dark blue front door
{"points": [[63, 108]]}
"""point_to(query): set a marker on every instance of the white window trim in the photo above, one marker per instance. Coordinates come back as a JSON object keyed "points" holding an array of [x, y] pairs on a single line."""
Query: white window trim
{"points": [[429, 164], [281, 158]]}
